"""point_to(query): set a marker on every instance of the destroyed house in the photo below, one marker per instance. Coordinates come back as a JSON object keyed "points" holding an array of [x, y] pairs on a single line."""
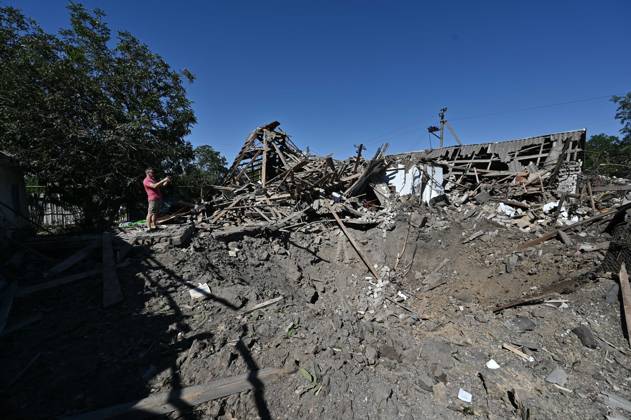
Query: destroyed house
{"points": [[13, 207], [266, 149], [530, 162]]}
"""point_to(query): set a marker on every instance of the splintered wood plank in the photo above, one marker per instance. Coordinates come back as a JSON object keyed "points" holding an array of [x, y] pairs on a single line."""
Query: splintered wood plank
{"points": [[75, 258], [111, 287], [57, 282], [165, 402], [221, 213], [264, 165], [554, 233], [355, 244], [281, 155], [591, 196], [625, 291]]}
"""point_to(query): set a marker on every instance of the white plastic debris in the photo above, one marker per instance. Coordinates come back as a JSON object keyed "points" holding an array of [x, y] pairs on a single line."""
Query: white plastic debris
{"points": [[492, 364], [402, 296], [464, 396], [506, 210], [548, 207], [199, 292]]}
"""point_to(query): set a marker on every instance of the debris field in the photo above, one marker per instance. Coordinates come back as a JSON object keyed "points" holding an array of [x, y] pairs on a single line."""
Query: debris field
{"points": [[475, 280]]}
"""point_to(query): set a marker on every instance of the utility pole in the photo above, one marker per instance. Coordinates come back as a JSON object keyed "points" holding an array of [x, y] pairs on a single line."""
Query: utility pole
{"points": [[432, 129]]}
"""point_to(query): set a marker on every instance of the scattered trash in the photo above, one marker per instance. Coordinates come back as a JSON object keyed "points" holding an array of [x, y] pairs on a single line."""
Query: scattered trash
{"points": [[200, 292], [492, 364], [464, 396], [557, 376], [518, 352]]}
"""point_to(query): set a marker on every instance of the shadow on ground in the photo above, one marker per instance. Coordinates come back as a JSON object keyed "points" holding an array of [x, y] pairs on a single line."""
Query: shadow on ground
{"points": [[81, 357]]}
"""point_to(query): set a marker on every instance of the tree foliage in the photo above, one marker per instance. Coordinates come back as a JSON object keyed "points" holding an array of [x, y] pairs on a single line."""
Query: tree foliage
{"points": [[207, 168], [623, 114], [611, 155], [86, 113]]}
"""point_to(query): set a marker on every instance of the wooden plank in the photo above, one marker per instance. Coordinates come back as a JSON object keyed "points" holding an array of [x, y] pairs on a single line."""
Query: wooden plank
{"points": [[625, 291], [111, 287], [554, 233], [360, 148], [474, 236], [565, 238], [263, 305], [264, 165], [281, 155], [262, 214], [610, 187], [7, 294], [591, 196], [169, 401], [615, 401], [72, 260], [221, 213], [22, 323], [57, 282], [355, 244]]}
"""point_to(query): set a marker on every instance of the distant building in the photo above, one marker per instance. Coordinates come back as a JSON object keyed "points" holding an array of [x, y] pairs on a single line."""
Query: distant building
{"points": [[13, 206]]}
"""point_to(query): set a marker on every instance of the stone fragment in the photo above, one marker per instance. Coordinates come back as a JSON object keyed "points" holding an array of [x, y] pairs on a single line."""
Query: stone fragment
{"points": [[425, 382], [557, 376], [371, 355], [613, 293], [585, 334], [439, 392], [522, 324], [511, 262]]}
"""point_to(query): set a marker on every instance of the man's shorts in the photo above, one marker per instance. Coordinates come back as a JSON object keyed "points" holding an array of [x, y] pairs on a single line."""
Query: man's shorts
{"points": [[154, 206]]}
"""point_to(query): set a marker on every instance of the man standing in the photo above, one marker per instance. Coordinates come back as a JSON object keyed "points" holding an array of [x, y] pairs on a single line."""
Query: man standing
{"points": [[154, 196]]}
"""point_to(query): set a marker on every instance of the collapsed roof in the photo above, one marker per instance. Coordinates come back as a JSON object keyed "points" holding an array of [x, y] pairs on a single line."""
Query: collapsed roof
{"points": [[524, 166]]}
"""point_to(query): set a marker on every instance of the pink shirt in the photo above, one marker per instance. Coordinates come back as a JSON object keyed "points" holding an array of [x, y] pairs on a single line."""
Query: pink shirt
{"points": [[153, 194]]}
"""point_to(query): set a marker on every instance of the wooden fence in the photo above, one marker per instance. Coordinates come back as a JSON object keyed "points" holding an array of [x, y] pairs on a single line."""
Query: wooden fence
{"points": [[44, 209]]}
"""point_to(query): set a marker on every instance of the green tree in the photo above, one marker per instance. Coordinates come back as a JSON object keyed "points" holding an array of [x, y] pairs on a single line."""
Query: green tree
{"points": [[86, 114], [611, 155], [601, 150], [623, 114], [207, 168]]}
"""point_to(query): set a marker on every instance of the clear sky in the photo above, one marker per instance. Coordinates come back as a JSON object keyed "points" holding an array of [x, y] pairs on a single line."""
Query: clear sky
{"points": [[341, 72]]}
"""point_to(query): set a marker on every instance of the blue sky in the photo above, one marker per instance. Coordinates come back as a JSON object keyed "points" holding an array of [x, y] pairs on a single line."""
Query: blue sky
{"points": [[339, 73]]}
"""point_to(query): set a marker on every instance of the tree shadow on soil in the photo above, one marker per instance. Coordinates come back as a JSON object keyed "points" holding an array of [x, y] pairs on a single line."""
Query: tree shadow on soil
{"points": [[87, 357]]}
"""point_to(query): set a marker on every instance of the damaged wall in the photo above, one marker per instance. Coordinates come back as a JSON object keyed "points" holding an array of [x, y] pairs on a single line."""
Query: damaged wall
{"points": [[556, 158]]}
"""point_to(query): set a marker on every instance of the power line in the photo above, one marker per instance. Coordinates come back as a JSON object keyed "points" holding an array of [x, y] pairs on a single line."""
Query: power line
{"points": [[510, 111], [415, 126]]}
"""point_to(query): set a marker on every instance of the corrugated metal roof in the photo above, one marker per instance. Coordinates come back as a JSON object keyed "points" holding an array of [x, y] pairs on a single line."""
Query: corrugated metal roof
{"points": [[467, 149]]}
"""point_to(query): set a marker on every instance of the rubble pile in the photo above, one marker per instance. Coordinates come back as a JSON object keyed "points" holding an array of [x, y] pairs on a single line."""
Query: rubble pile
{"points": [[489, 291], [273, 184]]}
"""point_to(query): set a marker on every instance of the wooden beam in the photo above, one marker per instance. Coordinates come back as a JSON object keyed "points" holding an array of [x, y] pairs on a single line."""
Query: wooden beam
{"points": [[264, 165], [111, 287], [610, 187], [555, 232], [58, 282], [221, 213], [371, 268], [360, 148], [263, 305], [72, 260], [169, 401], [591, 196], [625, 291]]}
